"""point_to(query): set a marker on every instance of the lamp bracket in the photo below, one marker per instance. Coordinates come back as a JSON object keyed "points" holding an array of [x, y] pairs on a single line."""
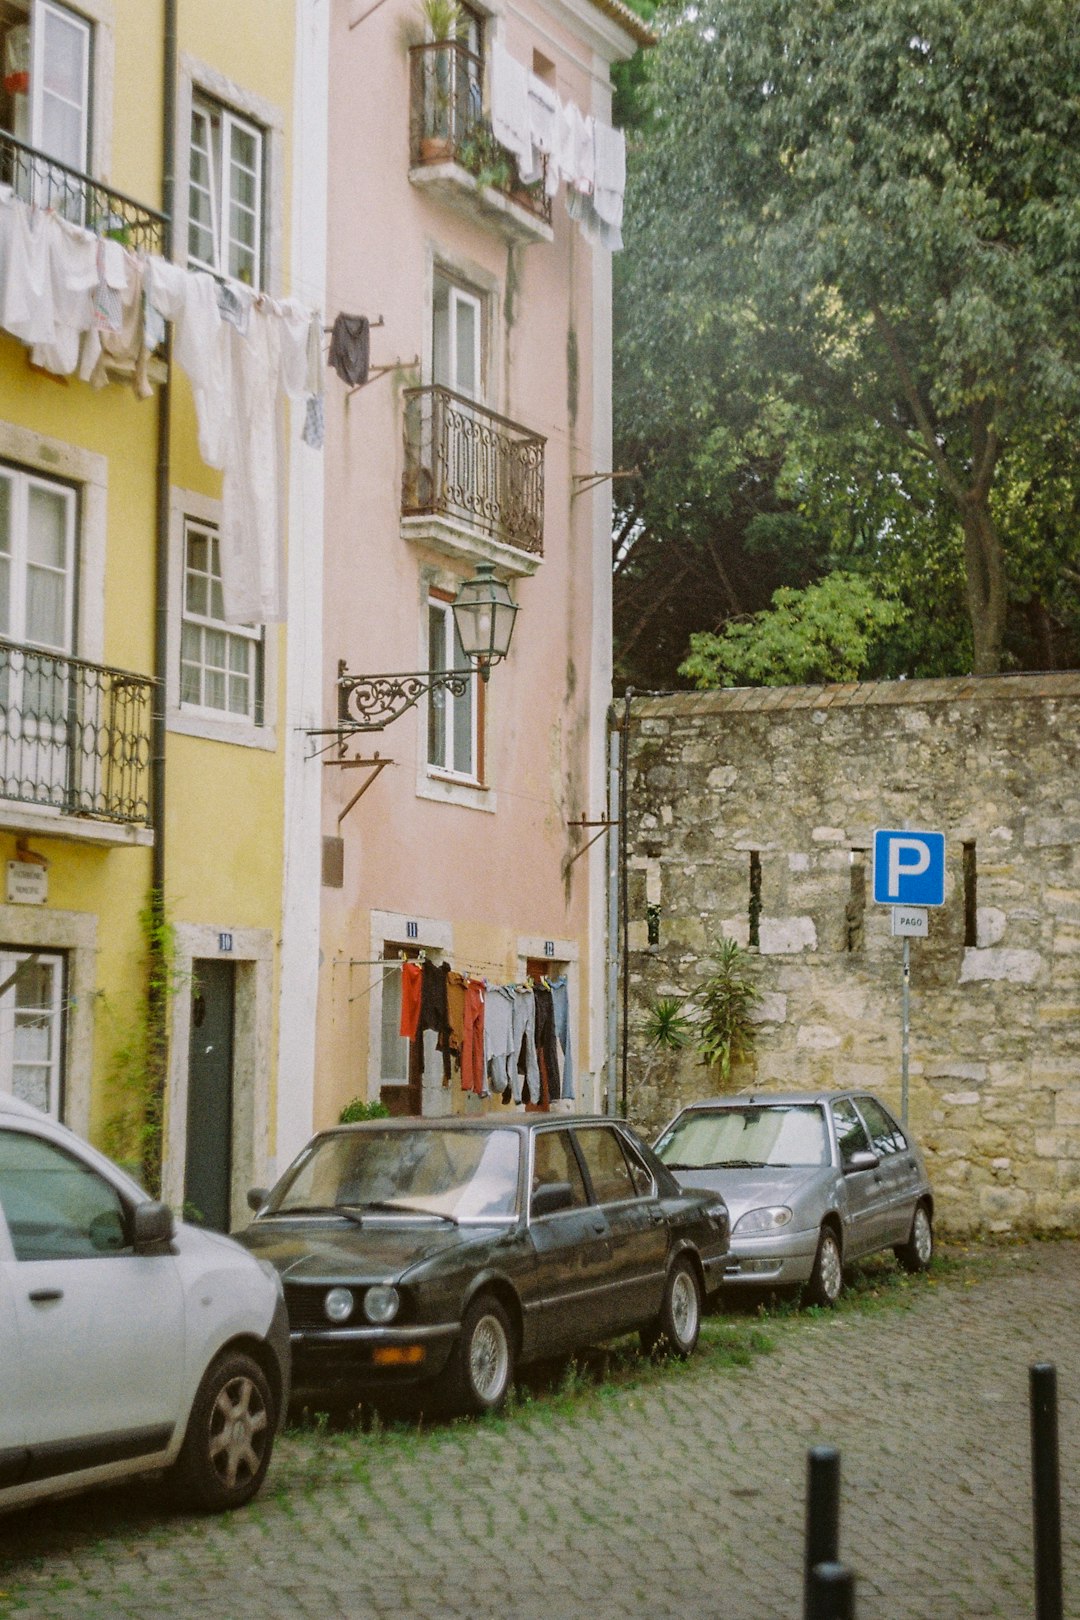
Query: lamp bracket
{"points": [[372, 702]]}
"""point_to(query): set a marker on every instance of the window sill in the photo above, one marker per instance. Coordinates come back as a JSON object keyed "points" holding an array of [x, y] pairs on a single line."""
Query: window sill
{"points": [[449, 790], [43, 821], [458, 189], [241, 733], [451, 538]]}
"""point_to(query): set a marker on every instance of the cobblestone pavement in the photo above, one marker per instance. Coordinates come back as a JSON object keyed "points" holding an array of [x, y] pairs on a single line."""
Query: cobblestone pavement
{"points": [[679, 1496]]}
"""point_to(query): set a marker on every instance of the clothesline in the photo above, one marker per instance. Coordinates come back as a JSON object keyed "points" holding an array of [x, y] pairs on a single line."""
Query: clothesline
{"points": [[503, 1037], [84, 302], [555, 141]]}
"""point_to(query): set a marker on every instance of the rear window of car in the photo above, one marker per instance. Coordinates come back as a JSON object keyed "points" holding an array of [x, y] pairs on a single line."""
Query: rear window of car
{"points": [[885, 1134], [746, 1136]]}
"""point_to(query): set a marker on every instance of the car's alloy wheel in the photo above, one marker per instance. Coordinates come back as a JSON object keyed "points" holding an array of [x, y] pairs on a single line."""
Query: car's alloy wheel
{"points": [[917, 1252], [677, 1327], [230, 1435], [827, 1277], [482, 1366]]}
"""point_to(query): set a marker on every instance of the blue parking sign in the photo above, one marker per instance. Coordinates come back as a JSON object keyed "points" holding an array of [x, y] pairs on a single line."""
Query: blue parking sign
{"points": [[909, 868]]}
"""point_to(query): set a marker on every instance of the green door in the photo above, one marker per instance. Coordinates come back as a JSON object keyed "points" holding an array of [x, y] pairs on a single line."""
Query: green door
{"points": [[208, 1171]]}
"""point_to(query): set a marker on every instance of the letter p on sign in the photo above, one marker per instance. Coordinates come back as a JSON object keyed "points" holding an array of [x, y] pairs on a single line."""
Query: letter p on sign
{"points": [[909, 868]]}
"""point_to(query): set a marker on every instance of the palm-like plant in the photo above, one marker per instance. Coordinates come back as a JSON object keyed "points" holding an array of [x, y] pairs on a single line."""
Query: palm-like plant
{"points": [[726, 1032]]}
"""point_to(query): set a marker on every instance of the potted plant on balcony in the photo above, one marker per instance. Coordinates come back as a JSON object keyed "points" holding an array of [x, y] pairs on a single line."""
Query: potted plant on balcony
{"points": [[445, 23]]}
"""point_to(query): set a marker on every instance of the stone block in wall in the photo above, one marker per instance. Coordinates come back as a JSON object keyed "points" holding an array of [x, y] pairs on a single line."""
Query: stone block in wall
{"points": [[771, 1009], [1019, 967], [1004, 1207], [1067, 1106], [818, 1037], [1053, 1212], [951, 1069], [989, 926], [786, 936]]}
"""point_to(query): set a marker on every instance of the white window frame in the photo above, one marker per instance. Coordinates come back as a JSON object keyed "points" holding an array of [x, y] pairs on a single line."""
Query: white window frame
{"points": [[11, 958], [458, 298], [23, 480], [249, 636], [214, 724], [219, 164], [40, 10], [444, 768]]}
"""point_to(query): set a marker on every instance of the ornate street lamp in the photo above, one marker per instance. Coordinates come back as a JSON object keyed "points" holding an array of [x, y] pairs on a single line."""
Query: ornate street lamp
{"points": [[484, 615]]}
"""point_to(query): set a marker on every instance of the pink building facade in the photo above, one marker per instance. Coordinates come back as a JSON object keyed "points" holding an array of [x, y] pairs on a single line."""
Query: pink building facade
{"points": [[456, 833]]}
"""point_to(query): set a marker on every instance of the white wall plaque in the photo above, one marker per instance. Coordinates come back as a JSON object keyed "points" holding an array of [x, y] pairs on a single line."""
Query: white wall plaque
{"points": [[27, 884]]}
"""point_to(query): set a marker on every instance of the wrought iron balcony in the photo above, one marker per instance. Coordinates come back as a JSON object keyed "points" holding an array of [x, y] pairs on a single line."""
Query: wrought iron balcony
{"points": [[466, 463], [447, 125], [74, 736], [42, 180]]}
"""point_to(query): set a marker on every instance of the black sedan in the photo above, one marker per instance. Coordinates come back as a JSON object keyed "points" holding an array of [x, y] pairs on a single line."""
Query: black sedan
{"points": [[447, 1251]]}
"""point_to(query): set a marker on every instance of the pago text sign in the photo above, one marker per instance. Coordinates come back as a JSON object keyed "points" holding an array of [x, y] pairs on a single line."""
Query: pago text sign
{"points": [[909, 868]]}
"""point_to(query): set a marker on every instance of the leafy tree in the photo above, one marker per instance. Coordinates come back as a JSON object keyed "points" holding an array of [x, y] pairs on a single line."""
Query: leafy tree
{"points": [[855, 245], [824, 633]]}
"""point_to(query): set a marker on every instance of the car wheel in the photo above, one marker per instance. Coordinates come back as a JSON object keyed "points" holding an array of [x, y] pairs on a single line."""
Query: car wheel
{"points": [[677, 1327], [827, 1277], [230, 1436], [917, 1252], [481, 1368]]}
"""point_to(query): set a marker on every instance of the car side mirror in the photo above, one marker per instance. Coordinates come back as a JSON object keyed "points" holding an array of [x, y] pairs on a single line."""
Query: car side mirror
{"points": [[152, 1225], [257, 1197], [552, 1196], [862, 1160]]}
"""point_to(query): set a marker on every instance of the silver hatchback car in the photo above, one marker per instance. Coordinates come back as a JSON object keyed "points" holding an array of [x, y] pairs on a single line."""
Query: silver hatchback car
{"points": [[812, 1180]]}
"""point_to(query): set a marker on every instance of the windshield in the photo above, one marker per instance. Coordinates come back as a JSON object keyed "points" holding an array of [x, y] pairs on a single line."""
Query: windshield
{"points": [[462, 1174], [746, 1137]]}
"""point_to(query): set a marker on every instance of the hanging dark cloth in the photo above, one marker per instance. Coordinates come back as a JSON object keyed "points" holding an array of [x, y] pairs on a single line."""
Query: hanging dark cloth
{"points": [[350, 348], [435, 1009], [547, 1047]]}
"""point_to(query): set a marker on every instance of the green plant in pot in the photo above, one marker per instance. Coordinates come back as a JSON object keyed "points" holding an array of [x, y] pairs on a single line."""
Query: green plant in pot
{"points": [[445, 23]]}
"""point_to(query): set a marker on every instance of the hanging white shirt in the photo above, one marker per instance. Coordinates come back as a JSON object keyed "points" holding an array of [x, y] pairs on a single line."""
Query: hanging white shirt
{"points": [[510, 104]]}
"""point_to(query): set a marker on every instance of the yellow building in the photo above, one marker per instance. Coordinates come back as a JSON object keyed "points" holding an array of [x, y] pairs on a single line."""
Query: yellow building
{"points": [[147, 733]]}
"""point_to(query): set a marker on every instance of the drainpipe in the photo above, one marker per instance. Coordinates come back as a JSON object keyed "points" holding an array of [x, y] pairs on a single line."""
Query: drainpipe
{"points": [[157, 999], [624, 754], [612, 1043]]}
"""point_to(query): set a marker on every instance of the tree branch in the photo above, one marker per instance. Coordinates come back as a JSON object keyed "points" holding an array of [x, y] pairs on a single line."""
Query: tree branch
{"points": [[917, 404]]}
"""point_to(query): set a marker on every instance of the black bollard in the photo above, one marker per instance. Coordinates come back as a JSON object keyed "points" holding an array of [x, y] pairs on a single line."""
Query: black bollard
{"points": [[822, 1511], [1046, 1491], [832, 1593]]}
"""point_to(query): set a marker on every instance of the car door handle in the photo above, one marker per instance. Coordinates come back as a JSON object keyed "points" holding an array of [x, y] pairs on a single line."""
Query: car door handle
{"points": [[657, 1217], [42, 1296], [599, 1226]]}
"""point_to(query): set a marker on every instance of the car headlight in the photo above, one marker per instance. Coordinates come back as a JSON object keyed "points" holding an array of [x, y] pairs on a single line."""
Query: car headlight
{"points": [[338, 1304], [756, 1221], [381, 1303], [718, 1214]]}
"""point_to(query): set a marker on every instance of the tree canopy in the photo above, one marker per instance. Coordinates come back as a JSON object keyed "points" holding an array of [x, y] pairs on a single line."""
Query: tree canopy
{"points": [[849, 323]]}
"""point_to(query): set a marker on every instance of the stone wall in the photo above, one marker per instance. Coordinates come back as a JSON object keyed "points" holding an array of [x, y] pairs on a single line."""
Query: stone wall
{"points": [[793, 781]]}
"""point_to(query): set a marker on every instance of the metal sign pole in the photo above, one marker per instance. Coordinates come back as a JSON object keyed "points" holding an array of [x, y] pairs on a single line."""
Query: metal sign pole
{"points": [[905, 1031]]}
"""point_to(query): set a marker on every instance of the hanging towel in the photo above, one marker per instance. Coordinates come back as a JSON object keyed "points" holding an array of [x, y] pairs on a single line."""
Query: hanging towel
{"points": [[543, 121], [472, 1050], [510, 119], [610, 180], [411, 985], [498, 1036], [455, 1010], [74, 261], [547, 1046], [523, 1057], [560, 1001], [350, 348], [434, 1009]]}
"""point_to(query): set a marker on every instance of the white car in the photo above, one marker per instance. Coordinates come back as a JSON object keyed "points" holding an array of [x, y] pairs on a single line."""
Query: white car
{"points": [[129, 1342]]}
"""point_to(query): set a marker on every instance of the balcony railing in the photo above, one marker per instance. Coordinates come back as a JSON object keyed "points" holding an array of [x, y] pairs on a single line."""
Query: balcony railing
{"points": [[447, 124], [42, 180], [465, 462], [74, 736]]}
